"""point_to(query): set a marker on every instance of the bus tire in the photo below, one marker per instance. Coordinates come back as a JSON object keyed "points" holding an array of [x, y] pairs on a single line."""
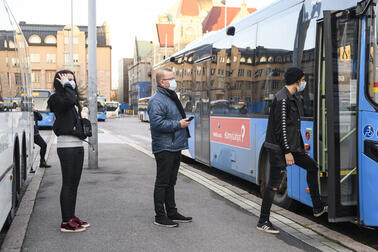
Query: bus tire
{"points": [[23, 160], [12, 212], [281, 197]]}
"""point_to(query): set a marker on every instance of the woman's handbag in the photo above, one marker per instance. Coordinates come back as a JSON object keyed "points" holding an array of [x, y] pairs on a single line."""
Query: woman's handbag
{"points": [[83, 127]]}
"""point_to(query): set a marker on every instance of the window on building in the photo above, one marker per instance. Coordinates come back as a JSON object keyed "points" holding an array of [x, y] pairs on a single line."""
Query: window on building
{"points": [[50, 39], [17, 77], [66, 58], [241, 72], [11, 44], [35, 39], [50, 76], [5, 44], [35, 57], [6, 61], [76, 59], [51, 58], [15, 62], [36, 76], [249, 73]]}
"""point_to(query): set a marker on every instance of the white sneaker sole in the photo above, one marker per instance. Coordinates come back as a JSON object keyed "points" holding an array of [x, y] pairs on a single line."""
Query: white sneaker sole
{"points": [[325, 210], [182, 221], [72, 231], [268, 231], [167, 226]]}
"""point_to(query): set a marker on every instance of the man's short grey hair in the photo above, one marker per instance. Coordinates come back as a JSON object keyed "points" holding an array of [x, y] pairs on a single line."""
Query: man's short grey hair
{"points": [[160, 74]]}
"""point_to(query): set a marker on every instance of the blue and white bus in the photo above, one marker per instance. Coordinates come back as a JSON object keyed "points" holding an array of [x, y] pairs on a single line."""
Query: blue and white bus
{"points": [[229, 79], [16, 117], [101, 108], [40, 98]]}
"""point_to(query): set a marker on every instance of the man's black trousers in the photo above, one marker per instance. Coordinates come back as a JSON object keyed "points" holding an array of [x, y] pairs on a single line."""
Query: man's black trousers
{"points": [[38, 140], [302, 160], [167, 164], [71, 162]]}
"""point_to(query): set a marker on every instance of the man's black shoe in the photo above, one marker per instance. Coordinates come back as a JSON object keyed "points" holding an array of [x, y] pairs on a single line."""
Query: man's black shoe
{"points": [[32, 171], [43, 164], [319, 211], [165, 222], [180, 218], [267, 227]]}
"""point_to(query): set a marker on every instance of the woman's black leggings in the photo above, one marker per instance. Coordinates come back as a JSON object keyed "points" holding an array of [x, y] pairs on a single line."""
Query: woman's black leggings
{"points": [[71, 162]]}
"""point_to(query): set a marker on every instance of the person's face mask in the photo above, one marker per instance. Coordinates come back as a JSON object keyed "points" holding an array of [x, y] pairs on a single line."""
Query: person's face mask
{"points": [[73, 84], [302, 86], [172, 85]]}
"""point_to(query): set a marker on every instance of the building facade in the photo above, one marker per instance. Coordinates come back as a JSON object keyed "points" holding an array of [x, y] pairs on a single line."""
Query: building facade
{"points": [[123, 79], [139, 82], [50, 51]]}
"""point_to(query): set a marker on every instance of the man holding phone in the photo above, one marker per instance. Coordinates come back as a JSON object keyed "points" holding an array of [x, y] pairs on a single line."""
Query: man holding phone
{"points": [[169, 132]]}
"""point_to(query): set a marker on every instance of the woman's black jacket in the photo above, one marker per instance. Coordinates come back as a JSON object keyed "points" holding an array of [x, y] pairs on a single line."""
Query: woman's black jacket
{"points": [[62, 103], [284, 125]]}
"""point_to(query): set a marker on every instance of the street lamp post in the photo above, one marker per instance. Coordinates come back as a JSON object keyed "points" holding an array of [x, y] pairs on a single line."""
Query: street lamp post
{"points": [[92, 83]]}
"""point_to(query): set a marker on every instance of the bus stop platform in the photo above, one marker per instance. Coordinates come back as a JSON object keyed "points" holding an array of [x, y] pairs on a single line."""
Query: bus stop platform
{"points": [[117, 200]]}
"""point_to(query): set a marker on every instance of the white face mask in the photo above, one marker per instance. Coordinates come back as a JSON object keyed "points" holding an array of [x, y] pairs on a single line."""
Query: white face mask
{"points": [[302, 86], [73, 84], [172, 85]]}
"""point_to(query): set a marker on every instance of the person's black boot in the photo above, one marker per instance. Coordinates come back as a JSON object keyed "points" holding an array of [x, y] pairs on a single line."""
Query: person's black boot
{"points": [[43, 164]]}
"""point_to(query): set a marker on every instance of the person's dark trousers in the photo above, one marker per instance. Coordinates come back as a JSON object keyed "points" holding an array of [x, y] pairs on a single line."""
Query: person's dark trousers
{"points": [[302, 160], [71, 161], [167, 164], [38, 140]]}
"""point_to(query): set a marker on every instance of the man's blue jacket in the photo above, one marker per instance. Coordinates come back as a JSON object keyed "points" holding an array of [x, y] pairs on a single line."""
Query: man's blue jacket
{"points": [[166, 131]]}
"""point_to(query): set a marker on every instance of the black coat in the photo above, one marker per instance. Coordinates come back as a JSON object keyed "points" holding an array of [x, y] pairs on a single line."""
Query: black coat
{"points": [[63, 103], [284, 126]]}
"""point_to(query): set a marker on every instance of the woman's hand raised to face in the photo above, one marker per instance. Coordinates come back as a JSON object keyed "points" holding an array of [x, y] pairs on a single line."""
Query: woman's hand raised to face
{"points": [[63, 78]]}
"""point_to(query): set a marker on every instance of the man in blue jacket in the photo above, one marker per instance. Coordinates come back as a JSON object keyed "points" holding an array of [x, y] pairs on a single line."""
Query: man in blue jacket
{"points": [[169, 131]]}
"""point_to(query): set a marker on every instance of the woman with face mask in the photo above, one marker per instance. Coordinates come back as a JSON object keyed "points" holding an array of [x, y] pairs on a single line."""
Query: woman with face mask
{"points": [[65, 105]]}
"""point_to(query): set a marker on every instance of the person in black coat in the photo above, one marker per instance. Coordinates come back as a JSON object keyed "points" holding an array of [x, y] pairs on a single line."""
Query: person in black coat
{"points": [[38, 140], [285, 146], [65, 105]]}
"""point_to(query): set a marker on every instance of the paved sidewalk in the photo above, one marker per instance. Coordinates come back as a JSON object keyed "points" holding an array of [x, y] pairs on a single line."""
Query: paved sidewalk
{"points": [[117, 200]]}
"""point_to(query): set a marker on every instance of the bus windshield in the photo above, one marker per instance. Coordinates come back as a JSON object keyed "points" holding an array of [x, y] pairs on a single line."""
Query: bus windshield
{"points": [[111, 106], [100, 106], [40, 99]]}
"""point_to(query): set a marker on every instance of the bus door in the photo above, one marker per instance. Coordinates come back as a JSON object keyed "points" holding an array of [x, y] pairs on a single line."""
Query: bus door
{"points": [[339, 43], [202, 119]]}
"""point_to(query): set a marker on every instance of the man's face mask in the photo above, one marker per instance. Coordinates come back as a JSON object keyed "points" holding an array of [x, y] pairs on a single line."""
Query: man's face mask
{"points": [[302, 86], [172, 85]]}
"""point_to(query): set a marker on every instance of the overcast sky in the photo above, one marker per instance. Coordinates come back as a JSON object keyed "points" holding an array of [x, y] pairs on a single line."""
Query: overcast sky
{"points": [[126, 19]]}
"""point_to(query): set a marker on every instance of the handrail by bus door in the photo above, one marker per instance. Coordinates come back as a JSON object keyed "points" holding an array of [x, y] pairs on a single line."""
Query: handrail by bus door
{"points": [[336, 211]]}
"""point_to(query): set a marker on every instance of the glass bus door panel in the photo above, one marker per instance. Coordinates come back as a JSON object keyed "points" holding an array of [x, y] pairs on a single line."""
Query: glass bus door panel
{"points": [[202, 122], [338, 113]]}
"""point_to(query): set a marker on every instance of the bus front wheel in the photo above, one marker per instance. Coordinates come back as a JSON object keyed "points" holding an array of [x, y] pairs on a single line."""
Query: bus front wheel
{"points": [[281, 197]]}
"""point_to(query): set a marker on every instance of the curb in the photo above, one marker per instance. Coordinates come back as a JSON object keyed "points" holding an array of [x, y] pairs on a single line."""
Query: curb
{"points": [[16, 234], [303, 229]]}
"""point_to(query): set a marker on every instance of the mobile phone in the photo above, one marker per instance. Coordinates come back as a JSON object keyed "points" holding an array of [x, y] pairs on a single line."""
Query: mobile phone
{"points": [[190, 118]]}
